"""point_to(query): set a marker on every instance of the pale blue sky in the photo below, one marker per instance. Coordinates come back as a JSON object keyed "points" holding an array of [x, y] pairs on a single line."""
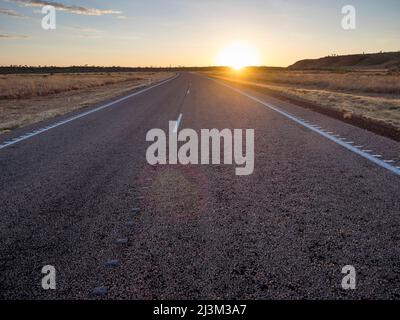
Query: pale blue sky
{"points": [[192, 32]]}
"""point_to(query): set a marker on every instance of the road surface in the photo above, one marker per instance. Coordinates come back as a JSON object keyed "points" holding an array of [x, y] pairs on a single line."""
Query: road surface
{"points": [[80, 196]]}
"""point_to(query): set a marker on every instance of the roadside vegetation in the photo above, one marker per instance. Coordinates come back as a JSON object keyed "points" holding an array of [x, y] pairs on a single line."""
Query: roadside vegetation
{"points": [[22, 86], [29, 98], [369, 94]]}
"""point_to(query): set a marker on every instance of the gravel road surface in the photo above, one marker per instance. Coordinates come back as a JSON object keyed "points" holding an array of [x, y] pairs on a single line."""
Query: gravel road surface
{"points": [[82, 198]]}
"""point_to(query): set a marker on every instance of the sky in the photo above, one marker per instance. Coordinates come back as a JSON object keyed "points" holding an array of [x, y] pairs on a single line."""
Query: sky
{"points": [[191, 32]]}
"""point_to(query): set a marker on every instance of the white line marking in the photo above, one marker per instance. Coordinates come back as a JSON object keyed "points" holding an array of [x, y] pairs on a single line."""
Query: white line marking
{"points": [[389, 161], [178, 122], [334, 139], [78, 116]]}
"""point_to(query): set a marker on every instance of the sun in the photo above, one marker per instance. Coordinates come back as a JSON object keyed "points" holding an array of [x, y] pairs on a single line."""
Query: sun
{"points": [[238, 56]]}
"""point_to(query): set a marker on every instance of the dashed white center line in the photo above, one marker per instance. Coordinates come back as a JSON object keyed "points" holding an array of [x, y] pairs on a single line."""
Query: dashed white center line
{"points": [[178, 122]]}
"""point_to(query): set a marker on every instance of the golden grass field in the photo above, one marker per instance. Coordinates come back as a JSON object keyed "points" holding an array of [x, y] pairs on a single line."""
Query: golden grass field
{"points": [[372, 95], [26, 99]]}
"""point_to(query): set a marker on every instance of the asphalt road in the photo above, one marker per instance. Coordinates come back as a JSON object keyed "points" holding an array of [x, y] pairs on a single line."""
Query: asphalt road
{"points": [[311, 206]]}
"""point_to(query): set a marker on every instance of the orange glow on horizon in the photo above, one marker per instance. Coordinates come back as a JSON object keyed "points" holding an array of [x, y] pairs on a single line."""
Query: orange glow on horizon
{"points": [[238, 56]]}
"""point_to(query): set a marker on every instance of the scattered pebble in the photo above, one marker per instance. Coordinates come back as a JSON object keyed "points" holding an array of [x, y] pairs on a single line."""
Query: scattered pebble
{"points": [[100, 291], [121, 241], [112, 263]]}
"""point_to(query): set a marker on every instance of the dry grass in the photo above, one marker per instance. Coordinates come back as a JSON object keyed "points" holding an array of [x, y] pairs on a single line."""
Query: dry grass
{"points": [[27, 99], [30, 86], [372, 95], [379, 108], [356, 82]]}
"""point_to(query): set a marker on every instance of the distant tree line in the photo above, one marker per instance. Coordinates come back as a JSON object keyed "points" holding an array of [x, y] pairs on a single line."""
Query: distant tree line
{"points": [[14, 69]]}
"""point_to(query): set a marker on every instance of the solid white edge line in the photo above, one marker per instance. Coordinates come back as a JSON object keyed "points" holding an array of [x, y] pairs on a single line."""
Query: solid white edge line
{"points": [[27, 136], [349, 147]]}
